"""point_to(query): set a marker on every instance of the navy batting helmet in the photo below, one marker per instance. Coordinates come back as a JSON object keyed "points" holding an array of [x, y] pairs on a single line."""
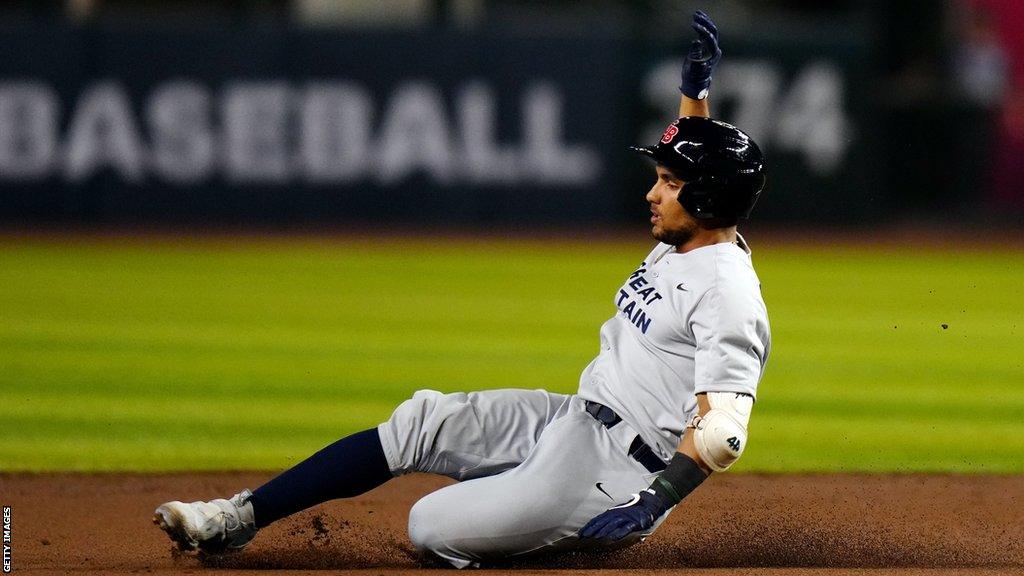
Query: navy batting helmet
{"points": [[723, 169]]}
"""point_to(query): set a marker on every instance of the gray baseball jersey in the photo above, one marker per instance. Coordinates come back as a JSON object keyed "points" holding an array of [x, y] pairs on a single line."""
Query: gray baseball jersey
{"points": [[688, 323], [535, 466]]}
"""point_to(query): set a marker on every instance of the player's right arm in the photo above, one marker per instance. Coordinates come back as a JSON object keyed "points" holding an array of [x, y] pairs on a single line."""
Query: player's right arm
{"points": [[690, 107], [698, 67]]}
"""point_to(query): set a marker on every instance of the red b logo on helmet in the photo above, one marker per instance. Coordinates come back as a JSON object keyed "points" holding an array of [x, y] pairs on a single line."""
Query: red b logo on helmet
{"points": [[669, 134]]}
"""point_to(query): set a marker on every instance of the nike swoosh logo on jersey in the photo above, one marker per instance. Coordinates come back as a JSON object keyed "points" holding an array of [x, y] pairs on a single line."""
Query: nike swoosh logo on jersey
{"points": [[603, 492], [680, 286]]}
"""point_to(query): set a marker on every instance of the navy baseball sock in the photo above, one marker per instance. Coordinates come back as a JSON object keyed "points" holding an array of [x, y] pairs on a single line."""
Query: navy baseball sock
{"points": [[349, 467]]}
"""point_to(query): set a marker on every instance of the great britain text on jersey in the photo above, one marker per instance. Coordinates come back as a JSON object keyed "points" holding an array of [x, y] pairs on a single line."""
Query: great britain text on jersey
{"points": [[634, 292]]}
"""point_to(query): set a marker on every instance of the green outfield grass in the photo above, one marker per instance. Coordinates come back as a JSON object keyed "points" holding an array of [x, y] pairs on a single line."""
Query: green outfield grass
{"points": [[250, 354]]}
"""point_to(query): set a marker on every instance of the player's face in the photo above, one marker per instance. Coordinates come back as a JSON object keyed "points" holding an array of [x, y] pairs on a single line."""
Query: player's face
{"points": [[671, 223]]}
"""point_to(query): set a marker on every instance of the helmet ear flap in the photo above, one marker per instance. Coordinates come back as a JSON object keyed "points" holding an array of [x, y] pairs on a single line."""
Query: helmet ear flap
{"points": [[698, 196]]}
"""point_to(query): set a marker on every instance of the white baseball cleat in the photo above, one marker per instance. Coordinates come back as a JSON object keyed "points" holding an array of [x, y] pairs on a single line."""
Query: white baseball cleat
{"points": [[214, 527]]}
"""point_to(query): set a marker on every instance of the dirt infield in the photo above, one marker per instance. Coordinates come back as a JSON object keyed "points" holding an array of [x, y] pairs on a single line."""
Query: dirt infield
{"points": [[735, 524]]}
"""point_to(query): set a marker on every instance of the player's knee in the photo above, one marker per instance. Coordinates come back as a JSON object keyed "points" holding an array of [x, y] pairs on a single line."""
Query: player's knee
{"points": [[422, 528], [412, 430], [430, 528], [414, 412]]}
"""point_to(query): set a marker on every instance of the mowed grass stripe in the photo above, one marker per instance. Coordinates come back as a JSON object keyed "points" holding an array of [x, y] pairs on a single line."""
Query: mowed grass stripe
{"points": [[845, 442], [145, 453], [150, 417], [103, 344]]}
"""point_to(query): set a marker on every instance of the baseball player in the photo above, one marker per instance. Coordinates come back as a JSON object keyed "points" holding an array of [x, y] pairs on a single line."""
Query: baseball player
{"points": [[665, 402]]}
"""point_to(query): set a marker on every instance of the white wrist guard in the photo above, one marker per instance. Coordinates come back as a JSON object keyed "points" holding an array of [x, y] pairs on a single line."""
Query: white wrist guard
{"points": [[721, 435]]}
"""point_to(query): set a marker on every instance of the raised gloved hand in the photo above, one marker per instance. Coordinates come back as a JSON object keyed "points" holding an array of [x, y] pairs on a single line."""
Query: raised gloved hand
{"points": [[637, 515], [703, 57]]}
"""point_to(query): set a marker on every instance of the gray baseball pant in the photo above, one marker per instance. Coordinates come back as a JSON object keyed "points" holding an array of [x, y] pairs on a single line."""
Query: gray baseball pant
{"points": [[529, 463]]}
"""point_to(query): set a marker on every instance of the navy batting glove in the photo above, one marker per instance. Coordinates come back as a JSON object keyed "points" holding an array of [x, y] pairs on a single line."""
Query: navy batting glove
{"points": [[703, 57], [636, 515]]}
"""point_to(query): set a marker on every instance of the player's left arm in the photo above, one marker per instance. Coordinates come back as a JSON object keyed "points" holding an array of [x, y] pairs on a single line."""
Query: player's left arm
{"points": [[717, 435], [713, 440]]}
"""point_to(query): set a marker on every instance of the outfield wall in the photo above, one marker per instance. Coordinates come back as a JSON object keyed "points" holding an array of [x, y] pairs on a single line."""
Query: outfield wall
{"points": [[270, 124]]}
